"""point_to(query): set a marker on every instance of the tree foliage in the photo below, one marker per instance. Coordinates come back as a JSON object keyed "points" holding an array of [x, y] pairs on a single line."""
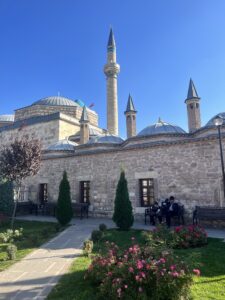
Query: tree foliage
{"points": [[123, 212], [20, 159], [64, 212]]}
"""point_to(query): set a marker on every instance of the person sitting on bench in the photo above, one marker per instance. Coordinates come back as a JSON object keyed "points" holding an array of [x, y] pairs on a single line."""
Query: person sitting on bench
{"points": [[155, 213], [172, 210]]}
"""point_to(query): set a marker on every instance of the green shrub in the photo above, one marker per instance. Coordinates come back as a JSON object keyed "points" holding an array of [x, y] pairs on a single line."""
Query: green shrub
{"points": [[96, 235], [64, 211], [88, 247], [11, 252], [10, 235], [181, 237], [123, 212], [189, 236], [102, 227], [6, 198], [131, 274]]}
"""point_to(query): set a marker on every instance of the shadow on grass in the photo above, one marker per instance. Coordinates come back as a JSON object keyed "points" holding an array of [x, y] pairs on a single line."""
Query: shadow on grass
{"points": [[73, 285]]}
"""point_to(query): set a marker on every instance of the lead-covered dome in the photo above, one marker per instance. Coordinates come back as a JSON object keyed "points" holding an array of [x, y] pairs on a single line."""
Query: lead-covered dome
{"points": [[221, 115], [106, 139], [7, 118], [56, 101], [161, 127], [62, 145]]}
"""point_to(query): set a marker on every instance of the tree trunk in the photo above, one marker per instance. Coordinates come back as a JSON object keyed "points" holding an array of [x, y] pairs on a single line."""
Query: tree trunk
{"points": [[18, 194]]}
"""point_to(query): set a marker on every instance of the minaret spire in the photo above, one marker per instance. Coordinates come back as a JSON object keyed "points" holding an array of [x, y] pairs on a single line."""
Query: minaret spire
{"points": [[84, 126], [111, 41], [130, 114], [111, 70], [192, 92], [193, 108]]}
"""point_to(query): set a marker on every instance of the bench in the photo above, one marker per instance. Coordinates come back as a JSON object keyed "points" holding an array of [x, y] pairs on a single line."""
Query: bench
{"points": [[80, 209], [179, 216], [26, 207], [209, 213]]}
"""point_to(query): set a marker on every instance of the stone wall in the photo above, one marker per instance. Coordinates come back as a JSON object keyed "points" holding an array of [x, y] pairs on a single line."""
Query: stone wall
{"points": [[67, 129], [46, 132], [190, 171]]}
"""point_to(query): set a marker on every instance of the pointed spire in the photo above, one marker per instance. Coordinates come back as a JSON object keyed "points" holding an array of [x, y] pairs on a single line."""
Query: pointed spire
{"points": [[192, 93], [84, 117], [111, 42], [130, 104]]}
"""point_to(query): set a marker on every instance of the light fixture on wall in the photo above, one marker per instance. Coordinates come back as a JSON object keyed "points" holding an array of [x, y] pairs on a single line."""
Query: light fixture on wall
{"points": [[218, 122]]}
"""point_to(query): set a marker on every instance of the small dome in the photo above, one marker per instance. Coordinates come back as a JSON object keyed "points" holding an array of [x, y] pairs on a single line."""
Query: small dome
{"points": [[106, 139], [221, 115], [62, 145], [56, 101], [7, 118], [160, 127]]}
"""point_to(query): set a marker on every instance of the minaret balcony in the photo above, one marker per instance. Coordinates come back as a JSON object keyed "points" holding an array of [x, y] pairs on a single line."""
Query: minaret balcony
{"points": [[111, 69]]}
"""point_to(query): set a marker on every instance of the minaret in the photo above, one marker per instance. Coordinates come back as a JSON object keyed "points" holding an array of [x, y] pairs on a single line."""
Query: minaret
{"points": [[111, 70], [84, 127], [193, 108], [130, 114]]}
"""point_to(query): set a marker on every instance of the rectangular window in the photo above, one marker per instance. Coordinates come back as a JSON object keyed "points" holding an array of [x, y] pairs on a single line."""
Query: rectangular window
{"points": [[85, 192], [146, 191], [43, 193]]}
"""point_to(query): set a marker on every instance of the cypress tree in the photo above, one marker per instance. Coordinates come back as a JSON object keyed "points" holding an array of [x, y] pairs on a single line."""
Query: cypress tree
{"points": [[64, 211], [123, 213], [6, 197]]}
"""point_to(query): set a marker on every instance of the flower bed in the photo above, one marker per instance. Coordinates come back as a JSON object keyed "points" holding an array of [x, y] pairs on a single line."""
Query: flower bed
{"points": [[181, 237], [136, 274]]}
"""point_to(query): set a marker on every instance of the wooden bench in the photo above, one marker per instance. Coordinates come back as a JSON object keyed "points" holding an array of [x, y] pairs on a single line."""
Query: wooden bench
{"points": [[209, 213], [26, 207], [80, 209], [179, 216]]}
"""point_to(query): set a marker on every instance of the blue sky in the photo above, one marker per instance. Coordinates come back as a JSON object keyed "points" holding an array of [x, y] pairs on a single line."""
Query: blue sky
{"points": [[60, 45]]}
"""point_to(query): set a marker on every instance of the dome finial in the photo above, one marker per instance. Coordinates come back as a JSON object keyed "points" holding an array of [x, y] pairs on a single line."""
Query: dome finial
{"points": [[160, 120]]}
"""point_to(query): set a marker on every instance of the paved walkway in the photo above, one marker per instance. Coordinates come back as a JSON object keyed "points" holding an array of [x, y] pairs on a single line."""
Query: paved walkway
{"points": [[35, 275]]}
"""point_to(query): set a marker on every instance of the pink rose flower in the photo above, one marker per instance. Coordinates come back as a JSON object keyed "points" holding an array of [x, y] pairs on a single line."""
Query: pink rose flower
{"points": [[196, 272]]}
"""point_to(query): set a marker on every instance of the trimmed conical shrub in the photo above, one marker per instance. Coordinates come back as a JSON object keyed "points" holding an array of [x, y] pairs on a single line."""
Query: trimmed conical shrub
{"points": [[64, 211], [123, 213], [6, 197]]}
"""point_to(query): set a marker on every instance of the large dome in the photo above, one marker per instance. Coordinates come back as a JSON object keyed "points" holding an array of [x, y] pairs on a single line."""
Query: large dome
{"points": [[221, 115], [6, 118], [106, 139], [56, 101], [160, 127]]}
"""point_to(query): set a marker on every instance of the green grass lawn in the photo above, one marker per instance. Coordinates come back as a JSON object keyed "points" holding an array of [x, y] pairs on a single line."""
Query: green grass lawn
{"points": [[34, 234], [210, 260]]}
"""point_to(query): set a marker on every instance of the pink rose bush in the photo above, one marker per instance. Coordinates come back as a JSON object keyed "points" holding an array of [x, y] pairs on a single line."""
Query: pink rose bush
{"points": [[181, 237], [190, 236], [133, 274]]}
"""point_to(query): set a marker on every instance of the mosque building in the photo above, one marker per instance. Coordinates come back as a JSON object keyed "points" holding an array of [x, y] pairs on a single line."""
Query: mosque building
{"points": [[159, 161]]}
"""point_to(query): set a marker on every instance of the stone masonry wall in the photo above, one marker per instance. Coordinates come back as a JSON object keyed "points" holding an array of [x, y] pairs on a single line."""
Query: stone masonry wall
{"points": [[41, 110], [47, 133], [191, 172]]}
